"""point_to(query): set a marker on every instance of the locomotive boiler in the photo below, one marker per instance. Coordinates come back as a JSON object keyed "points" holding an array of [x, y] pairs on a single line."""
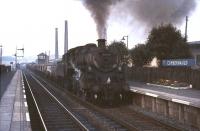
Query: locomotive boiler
{"points": [[96, 73]]}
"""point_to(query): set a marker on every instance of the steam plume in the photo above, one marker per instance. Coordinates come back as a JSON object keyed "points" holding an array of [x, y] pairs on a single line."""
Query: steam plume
{"points": [[147, 12], [100, 11], [155, 12]]}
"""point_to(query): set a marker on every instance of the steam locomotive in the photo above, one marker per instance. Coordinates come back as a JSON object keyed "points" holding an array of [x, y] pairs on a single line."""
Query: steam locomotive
{"points": [[93, 72]]}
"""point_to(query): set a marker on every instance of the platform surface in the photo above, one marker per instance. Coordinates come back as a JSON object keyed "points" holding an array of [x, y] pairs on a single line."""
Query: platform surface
{"points": [[14, 115], [185, 96]]}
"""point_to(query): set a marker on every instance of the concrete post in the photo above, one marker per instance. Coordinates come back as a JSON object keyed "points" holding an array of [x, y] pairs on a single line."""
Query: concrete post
{"points": [[198, 119], [154, 104], [143, 102], [181, 113]]}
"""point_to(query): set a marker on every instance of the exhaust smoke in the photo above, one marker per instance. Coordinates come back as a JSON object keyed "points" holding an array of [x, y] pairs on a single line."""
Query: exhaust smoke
{"points": [[100, 11], [155, 12], [148, 13]]}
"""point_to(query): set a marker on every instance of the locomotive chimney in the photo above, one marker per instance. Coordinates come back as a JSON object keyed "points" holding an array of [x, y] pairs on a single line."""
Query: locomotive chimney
{"points": [[101, 43]]}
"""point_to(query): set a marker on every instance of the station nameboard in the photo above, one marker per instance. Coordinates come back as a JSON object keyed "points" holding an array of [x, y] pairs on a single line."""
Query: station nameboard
{"points": [[178, 62]]}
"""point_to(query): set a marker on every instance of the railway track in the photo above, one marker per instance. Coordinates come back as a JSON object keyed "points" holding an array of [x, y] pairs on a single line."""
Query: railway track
{"points": [[137, 120], [54, 116], [121, 118], [52, 104]]}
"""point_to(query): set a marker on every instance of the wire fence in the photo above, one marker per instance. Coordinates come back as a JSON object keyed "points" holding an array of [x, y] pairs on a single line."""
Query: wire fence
{"points": [[145, 74]]}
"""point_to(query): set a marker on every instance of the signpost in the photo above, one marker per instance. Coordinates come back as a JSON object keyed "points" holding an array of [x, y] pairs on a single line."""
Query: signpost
{"points": [[179, 62]]}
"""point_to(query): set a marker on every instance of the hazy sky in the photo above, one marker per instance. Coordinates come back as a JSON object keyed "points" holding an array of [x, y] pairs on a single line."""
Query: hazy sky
{"points": [[32, 23]]}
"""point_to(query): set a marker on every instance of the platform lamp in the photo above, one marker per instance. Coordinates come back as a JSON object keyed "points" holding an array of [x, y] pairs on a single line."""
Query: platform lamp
{"points": [[123, 38]]}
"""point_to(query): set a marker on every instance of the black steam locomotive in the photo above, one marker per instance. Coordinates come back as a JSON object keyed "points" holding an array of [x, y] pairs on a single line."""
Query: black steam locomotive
{"points": [[94, 73]]}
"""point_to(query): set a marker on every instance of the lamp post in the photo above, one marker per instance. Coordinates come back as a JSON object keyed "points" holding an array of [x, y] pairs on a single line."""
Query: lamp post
{"points": [[1, 54], [123, 38]]}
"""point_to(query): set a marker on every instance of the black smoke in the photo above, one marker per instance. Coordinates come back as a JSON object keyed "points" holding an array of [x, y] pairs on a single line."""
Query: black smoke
{"points": [[148, 13], [100, 11], [155, 12]]}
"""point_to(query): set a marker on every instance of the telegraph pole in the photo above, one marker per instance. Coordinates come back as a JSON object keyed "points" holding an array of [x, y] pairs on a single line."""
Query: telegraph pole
{"points": [[186, 22]]}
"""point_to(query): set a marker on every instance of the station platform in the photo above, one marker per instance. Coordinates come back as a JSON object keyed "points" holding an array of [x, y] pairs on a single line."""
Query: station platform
{"points": [[183, 96], [177, 107], [14, 115]]}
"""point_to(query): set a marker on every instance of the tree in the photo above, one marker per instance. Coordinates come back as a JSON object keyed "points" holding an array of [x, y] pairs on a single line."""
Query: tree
{"points": [[120, 49], [140, 55], [166, 42]]}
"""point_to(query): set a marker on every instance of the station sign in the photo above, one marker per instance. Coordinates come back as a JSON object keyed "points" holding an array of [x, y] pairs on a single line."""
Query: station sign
{"points": [[178, 62]]}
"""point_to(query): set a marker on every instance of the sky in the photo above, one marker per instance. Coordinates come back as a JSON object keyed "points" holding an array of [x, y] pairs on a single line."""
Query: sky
{"points": [[31, 24]]}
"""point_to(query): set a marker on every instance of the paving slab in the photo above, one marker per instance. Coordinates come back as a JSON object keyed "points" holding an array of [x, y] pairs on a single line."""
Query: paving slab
{"points": [[12, 110]]}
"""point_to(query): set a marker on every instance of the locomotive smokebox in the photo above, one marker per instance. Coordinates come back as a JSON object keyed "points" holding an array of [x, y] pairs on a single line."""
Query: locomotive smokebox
{"points": [[101, 43]]}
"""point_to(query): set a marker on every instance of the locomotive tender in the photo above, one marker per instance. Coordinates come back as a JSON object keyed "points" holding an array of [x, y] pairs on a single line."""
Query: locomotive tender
{"points": [[94, 73]]}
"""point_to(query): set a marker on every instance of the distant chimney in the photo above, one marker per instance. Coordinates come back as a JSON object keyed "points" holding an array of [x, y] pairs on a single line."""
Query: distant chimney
{"points": [[101, 43], [66, 38], [56, 43]]}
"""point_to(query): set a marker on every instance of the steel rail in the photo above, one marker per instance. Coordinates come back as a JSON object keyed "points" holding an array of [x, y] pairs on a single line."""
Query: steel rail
{"points": [[43, 123], [71, 114]]}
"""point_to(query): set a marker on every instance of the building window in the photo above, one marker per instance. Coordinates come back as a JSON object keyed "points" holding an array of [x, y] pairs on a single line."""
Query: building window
{"points": [[198, 60], [41, 57]]}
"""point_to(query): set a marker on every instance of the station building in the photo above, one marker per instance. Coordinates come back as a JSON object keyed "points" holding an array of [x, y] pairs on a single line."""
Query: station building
{"points": [[195, 50], [42, 61], [42, 58]]}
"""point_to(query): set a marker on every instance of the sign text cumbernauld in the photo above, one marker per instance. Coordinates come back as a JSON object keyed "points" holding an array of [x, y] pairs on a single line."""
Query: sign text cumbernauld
{"points": [[178, 62]]}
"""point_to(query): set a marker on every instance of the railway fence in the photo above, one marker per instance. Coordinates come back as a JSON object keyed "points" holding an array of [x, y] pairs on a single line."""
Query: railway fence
{"points": [[147, 74]]}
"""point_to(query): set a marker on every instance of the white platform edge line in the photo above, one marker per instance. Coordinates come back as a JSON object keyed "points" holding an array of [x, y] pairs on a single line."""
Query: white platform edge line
{"points": [[27, 117], [151, 94], [134, 90], [181, 101], [154, 95], [25, 104]]}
